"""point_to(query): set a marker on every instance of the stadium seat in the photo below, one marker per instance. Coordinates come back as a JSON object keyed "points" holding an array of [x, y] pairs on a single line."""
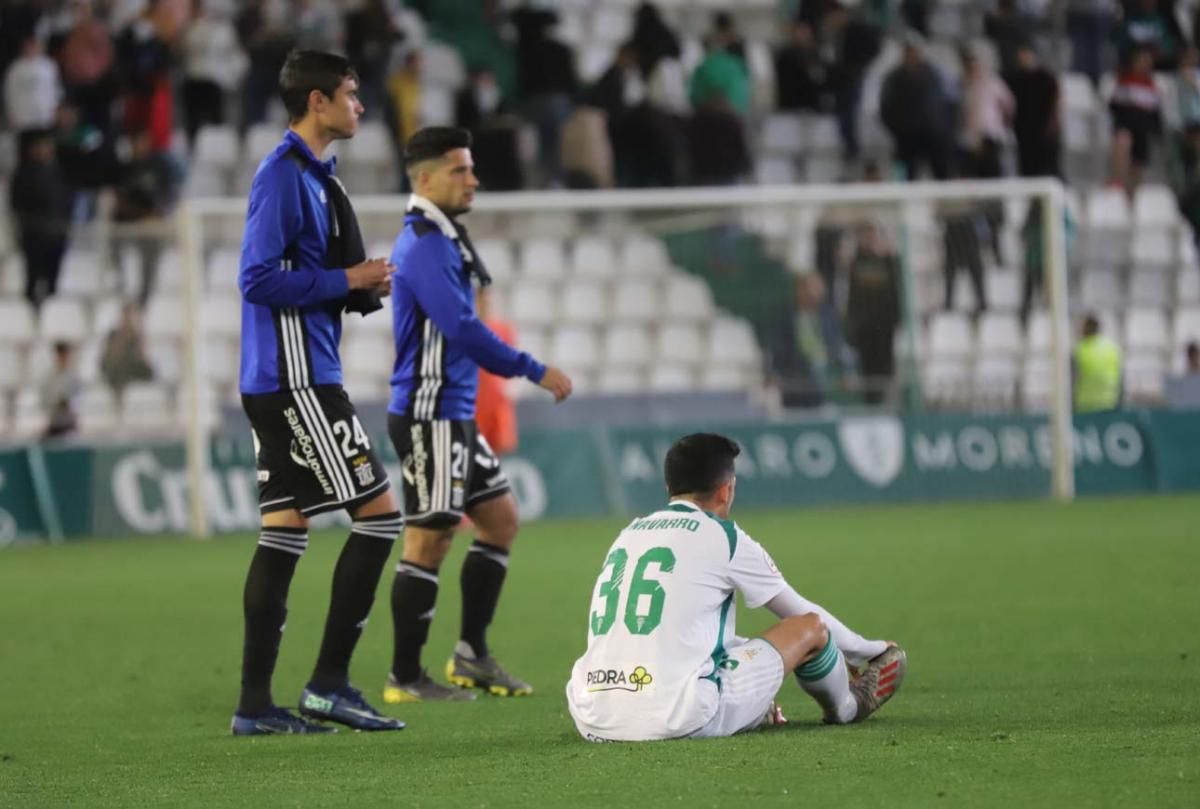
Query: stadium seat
{"points": [[821, 135], [999, 335], [64, 319], [644, 255], [1146, 331], [619, 380], [148, 406], [688, 297], [437, 106], [442, 66], [16, 321], [368, 356], [1079, 96], [533, 341], [97, 409], [731, 342], [1145, 378], [1155, 208], [12, 274], [575, 348], [1187, 286], [782, 133], [497, 257], [12, 368], [725, 378], [533, 305], [106, 315], [635, 300], [593, 257], [950, 336], [1186, 327], [670, 379], [543, 259], [222, 316], [1150, 288], [609, 25], [1003, 289], [994, 382], [679, 344], [216, 147], [81, 272], [1100, 290], [946, 382], [165, 317], [1151, 249], [627, 346], [823, 168], [584, 303], [222, 357], [775, 171], [29, 416], [1037, 384], [261, 140], [372, 147]]}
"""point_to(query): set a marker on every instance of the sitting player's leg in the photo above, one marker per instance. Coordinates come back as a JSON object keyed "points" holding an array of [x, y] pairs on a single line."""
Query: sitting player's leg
{"points": [[414, 596], [808, 649], [857, 649], [329, 694], [494, 514], [283, 538]]}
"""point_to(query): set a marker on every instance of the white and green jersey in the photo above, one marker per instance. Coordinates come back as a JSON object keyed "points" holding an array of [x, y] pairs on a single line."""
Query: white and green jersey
{"points": [[661, 619]]}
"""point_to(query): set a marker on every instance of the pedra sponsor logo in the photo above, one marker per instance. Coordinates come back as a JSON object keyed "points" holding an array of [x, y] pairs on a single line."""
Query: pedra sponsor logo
{"points": [[617, 680]]}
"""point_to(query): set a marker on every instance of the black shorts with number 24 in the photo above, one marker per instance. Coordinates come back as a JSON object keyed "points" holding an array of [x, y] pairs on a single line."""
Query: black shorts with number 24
{"points": [[313, 453], [446, 468]]}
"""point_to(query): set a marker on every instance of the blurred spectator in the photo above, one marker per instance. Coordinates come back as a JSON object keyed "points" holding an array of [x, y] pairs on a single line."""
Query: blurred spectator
{"points": [[799, 73], [587, 153], [404, 90], [87, 57], [40, 201], [1150, 25], [1191, 365], [724, 35], [59, 392], [717, 148], [124, 359], [495, 413], [1008, 27], [987, 110], [1090, 26], [1181, 108], [481, 108], [722, 78], [1032, 234], [145, 195], [644, 137], [213, 64], [266, 31], [914, 108], [144, 60], [1183, 174], [915, 14], [873, 310], [18, 21], [32, 89], [372, 32], [88, 158], [797, 350], [962, 226], [1096, 370], [1037, 116], [652, 39], [546, 78], [853, 42], [1136, 108], [318, 25]]}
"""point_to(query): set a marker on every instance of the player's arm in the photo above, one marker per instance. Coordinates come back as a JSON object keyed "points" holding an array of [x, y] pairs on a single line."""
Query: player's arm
{"points": [[430, 277], [273, 223]]}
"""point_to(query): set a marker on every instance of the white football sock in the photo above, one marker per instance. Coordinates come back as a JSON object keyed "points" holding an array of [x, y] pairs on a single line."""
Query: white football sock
{"points": [[826, 680], [855, 647]]}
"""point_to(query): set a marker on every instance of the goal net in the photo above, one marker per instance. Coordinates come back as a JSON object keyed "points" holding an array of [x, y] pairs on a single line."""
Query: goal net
{"points": [[798, 299]]}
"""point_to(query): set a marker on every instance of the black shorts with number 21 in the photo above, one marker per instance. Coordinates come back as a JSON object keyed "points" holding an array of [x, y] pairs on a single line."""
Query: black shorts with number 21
{"points": [[446, 467], [313, 453]]}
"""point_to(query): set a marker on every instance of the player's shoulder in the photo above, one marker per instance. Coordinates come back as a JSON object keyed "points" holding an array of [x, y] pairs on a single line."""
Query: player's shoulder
{"points": [[277, 169]]}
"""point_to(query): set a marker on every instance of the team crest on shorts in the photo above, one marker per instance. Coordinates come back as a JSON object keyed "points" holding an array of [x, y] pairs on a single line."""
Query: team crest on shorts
{"points": [[363, 471]]}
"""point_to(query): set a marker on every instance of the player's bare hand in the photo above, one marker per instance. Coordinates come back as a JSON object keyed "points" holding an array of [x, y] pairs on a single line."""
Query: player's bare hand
{"points": [[370, 274], [557, 383]]}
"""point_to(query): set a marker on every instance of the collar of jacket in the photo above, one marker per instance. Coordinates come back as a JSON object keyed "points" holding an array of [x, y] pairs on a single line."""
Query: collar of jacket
{"points": [[297, 142], [434, 214]]}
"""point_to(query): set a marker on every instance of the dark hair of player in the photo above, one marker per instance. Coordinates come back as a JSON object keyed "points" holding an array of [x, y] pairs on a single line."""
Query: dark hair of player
{"points": [[432, 142], [305, 71], [699, 463]]}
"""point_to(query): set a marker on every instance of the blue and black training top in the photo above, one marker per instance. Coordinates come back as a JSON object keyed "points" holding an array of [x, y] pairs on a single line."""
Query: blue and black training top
{"points": [[440, 342], [291, 304]]}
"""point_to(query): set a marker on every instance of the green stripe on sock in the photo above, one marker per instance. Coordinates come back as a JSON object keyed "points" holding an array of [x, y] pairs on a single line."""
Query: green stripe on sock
{"points": [[821, 665]]}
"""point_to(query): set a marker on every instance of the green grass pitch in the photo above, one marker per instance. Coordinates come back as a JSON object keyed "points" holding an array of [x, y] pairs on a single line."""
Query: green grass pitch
{"points": [[1054, 661]]}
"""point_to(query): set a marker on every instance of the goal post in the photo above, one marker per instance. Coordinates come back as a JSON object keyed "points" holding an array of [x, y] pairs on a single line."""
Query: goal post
{"points": [[788, 212]]}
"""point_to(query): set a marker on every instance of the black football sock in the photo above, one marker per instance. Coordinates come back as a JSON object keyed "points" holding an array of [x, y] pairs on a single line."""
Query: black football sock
{"points": [[482, 577], [264, 604], [354, 582], [414, 593]]}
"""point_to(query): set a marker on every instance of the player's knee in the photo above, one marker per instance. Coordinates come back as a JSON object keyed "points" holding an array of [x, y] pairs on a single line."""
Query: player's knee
{"points": [[811, 628]]}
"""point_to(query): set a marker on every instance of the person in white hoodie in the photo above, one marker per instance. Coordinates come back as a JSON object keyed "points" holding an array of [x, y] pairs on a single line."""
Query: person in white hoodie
{"points": [[32, 89]]}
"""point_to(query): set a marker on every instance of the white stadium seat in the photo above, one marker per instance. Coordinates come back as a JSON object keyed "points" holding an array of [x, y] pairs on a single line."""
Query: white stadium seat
{"points": [[1145, 377], [950, 335], [628, 346], [1186, 327], [782, 133], [593, 256], [29, 416], [222, 316], [1150, 288], [217, 147], [222, 359], [731, 343], [165, 317], [725, 378], [1155, 207], [1100, 289], [148, 406], [619, 380], [497, 257], [12, 368], [994, 381], [688, 297], [543, 258], [636, 301], [16, 321], [64, 319], [679, 344], [1037, 384], [575, 348], [166, 358], [670, 379], [1003, 290], [1187, 286], [1108, 208], [999, 334], [533, 305], [97, 409], [643, 255], [1146, 331], [584, 303], [946, 381]]}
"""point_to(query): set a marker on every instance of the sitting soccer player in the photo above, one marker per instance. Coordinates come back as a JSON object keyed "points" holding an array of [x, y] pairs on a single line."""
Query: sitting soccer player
{"points": [[663, 661]]}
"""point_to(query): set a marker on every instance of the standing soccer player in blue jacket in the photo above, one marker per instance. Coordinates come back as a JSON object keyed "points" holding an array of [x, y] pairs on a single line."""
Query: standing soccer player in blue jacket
{"points": [[302, 264], [448, 467]]}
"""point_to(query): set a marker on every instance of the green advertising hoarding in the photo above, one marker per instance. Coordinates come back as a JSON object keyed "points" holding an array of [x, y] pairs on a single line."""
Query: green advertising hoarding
{"points": [[142, 489]]}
